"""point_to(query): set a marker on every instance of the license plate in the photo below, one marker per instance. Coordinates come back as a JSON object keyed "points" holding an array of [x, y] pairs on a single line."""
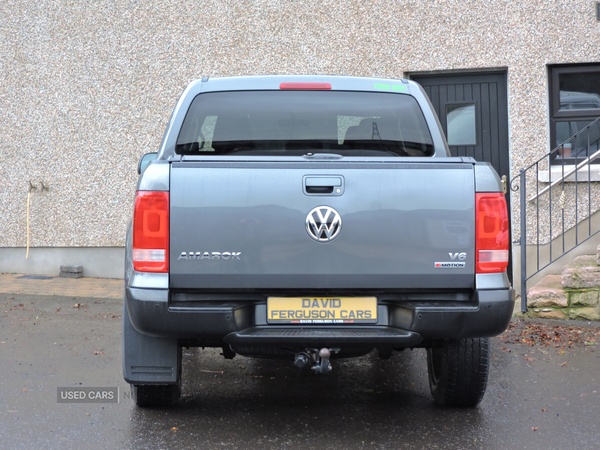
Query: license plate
{"points": [[316, 310]]}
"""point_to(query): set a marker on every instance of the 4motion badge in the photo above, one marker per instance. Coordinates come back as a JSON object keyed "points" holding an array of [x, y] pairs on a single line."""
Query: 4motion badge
{"points": [[457, 261]]}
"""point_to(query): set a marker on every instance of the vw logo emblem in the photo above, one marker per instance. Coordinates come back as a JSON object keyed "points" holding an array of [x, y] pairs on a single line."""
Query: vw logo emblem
{"points": [[323, 224]]}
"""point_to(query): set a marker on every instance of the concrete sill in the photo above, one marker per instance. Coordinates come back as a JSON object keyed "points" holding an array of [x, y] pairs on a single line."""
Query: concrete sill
{"points": [[584, 174]]}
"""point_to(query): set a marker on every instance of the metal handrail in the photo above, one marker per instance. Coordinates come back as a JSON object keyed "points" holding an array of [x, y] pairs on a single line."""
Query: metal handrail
{"points": [[521, 185], [564, 176], [556, 149]]}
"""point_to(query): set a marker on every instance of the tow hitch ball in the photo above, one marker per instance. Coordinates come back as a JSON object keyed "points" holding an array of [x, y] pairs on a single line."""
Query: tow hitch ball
{"points": [[318, 359]]}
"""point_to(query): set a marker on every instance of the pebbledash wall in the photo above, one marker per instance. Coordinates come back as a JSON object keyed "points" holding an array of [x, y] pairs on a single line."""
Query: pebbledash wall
{"points": [[87, 87]]}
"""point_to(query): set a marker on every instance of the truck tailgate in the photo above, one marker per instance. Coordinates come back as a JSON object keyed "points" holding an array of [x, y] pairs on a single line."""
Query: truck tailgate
{"points": [[242, 225]]}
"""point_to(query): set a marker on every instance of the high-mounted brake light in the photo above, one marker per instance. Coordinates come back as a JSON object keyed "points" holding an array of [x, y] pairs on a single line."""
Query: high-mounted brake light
{"points": [[151, 232], [491, 233], [305, 86]]}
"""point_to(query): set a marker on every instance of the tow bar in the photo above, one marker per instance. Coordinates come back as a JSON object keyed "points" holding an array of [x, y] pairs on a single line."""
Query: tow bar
{"points": [[318, 359]]}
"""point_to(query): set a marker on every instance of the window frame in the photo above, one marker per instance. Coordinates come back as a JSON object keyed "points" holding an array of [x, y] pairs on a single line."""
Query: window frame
{"points": [[568, 115], [475, 104]]}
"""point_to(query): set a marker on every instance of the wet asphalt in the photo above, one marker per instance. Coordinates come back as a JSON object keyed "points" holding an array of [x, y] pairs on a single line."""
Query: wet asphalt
{"points": [[538, 397]]}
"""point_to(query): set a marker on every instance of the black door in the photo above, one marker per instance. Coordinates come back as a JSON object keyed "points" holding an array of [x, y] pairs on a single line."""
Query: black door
{"points": [[473, 111]]}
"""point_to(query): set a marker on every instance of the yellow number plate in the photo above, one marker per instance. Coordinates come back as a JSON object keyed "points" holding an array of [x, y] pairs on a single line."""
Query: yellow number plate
{"points": [[311, 310]]}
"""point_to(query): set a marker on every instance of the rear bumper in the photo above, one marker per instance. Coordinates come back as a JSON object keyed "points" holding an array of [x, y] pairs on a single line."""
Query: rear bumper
{"points": [[407, 324], [268, 336]]}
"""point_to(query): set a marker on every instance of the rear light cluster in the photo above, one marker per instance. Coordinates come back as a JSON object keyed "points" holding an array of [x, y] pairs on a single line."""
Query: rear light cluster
{"points": [[311, 86], [491, 232], [151, 232]]}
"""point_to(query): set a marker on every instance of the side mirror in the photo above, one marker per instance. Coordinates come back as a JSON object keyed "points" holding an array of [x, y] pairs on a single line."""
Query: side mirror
{"points": [[145, 160]]}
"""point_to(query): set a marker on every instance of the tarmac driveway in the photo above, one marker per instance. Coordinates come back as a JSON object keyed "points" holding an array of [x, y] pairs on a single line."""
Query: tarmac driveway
{"points": [[543, 391]]}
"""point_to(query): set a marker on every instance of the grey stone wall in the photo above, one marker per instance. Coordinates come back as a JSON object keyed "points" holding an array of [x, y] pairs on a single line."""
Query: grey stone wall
{"points": [[87, 87]]}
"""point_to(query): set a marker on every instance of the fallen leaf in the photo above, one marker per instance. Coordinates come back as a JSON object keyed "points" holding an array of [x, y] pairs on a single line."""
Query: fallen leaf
{"points": [[534, 428], [563, 364], [544, 410], [25, 390]]}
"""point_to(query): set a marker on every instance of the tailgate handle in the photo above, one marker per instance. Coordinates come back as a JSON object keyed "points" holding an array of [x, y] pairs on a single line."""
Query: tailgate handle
{"points": [[319, 189], [323, 185]]}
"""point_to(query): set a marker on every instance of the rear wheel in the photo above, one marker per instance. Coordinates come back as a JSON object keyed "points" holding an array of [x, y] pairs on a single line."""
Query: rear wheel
{"points": [[458, 371]]}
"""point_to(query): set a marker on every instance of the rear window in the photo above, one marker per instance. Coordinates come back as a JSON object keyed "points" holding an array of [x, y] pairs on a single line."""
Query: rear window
{"points": [[299, 122]]}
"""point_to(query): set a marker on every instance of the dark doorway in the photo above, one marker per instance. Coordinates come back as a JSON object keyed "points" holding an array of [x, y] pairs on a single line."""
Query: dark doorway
{"points": [[473, 111]]}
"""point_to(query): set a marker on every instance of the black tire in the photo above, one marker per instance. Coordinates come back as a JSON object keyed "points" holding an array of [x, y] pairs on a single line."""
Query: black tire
{"points": [[458, 371], [156, 394]]}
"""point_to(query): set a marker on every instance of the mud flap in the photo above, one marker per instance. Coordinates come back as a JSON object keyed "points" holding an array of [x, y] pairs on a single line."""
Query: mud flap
{"points": [[147, 359]]}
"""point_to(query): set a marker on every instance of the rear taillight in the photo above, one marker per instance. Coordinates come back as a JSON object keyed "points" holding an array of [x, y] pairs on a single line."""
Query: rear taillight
{"points": [[151, 232], [491, 232]]}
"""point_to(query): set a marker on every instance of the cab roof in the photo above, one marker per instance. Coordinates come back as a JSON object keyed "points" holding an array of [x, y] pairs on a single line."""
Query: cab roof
{"points": [[320, 82]]}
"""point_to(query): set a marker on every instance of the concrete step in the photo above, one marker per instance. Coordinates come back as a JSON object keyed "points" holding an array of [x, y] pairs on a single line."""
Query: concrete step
{"points": [[575, 294], [582, 273], [550, 299], [548, 293]]}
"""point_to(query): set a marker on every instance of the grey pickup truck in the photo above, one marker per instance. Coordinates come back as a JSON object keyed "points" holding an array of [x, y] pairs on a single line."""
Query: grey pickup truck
{"points": [[312, 218]]}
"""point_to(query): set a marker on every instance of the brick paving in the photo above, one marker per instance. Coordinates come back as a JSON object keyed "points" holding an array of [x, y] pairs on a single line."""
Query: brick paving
{"points": [[65, 287]]}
